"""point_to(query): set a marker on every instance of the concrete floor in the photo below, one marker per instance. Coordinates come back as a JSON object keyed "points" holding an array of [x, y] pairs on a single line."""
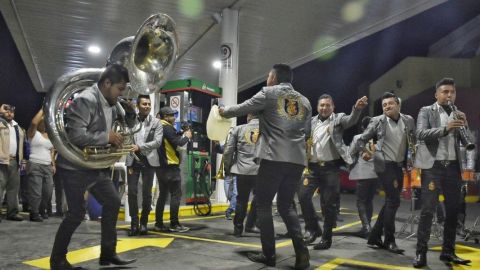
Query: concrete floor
{"points": [[210, 245]]}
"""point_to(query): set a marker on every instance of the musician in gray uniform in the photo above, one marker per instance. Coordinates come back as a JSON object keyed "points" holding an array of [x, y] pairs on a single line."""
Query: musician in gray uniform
{"points": [[328, 153], [438, 155], [284, 119], [394, 133], [89, 123], [143, 161], [239, 159], [363, 172]]}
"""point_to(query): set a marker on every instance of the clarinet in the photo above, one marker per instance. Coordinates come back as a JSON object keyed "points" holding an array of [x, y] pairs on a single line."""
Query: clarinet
{"points": [[464, 138]]}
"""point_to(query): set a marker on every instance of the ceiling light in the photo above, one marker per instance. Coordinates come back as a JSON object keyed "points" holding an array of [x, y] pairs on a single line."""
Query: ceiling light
{"points": [[94, 49], [217, 64]]}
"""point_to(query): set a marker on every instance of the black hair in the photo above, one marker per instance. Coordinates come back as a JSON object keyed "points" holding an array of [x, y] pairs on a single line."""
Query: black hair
{"points": [[391, 95], [364, 123], [142, 96], [115, 73], [445, 81], [283, 73], [325, 96]]}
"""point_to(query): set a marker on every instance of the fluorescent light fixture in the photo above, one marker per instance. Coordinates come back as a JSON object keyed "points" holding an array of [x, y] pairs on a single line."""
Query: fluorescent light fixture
{"points": [[217, 64], [94, 49]]}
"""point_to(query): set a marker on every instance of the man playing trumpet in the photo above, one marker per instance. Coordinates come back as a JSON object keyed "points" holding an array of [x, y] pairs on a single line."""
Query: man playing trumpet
{"points": [[438, 157]]}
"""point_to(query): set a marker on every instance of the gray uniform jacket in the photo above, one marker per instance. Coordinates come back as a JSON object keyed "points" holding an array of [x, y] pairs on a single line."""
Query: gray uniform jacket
{"points": [[377, 129], [284, 116], [337, 126], [360, 168], [150, 142], [428, 133], [86, 124], [239, 153]]}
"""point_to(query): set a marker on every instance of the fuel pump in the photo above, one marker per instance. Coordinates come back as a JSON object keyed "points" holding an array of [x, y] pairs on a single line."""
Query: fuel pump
{"points": [[192, 100]]}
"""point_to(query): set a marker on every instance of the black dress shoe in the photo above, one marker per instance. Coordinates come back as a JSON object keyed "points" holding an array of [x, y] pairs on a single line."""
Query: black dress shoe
{"points": [[420, 260], [115, 260], [323, 244], [260, 258], [375, 242], [15, 217], [253, 229], [134, 231], [143, 230], [237, 230], [63, 264], [453, 258], [36, 218], [392, 247], [310, 236], [302, 261]]}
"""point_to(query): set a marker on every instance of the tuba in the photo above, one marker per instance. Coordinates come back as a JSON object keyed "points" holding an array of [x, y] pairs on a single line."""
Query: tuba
{"points": [[150, 58]]}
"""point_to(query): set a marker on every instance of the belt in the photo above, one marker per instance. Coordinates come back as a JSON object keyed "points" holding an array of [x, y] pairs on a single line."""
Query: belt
{"points": [[399, 164], [446, 163], [12, 158], [329, 163]]}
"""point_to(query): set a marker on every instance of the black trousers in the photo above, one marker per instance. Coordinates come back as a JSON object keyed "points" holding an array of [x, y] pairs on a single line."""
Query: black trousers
{"points": [[446, 179], [281, 178], [169, 181], [101, 187], [133, 176], [366, 189], [58, 185], [245, 185], [327, 178], [392, 182]]}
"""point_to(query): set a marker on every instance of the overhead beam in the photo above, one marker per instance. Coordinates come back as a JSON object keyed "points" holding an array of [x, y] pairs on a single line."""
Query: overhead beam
{"points": [[14, 24]]}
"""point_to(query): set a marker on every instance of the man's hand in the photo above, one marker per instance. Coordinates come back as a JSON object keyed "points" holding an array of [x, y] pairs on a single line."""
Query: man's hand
{"points": [[135, 148], [454, 124], [188, 134], [366, 156], [221, 111], [115, 138], [361, 103], [54, 169]]}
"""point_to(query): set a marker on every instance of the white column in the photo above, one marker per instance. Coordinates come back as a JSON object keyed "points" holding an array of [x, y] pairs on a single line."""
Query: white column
{"points": [[228, 78]]}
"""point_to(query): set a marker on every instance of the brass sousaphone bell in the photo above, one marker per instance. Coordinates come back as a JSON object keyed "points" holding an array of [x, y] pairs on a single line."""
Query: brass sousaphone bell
{"points": [[150, 58]]}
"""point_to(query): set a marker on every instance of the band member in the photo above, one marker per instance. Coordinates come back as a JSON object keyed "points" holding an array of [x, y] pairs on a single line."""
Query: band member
{"points": [[393, 131], [284, 119], [328, 153], [364, 174], [438, 157], [144, 160], [169, 178], [90, 118], [239, 159]]}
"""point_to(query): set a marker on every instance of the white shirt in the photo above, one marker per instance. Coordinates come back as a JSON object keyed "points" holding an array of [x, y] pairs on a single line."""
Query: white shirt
{"points": [[107, 110], [446, 144], [395, 143], [13, 138], [40, 150], [323, 147]]}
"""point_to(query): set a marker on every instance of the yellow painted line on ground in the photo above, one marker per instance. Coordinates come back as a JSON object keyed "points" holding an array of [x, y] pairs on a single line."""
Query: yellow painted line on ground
{"points": [[351, 224], [231, 243], [185, 211], [91, 253], [349, 262], [465, 252], [182, 219]]}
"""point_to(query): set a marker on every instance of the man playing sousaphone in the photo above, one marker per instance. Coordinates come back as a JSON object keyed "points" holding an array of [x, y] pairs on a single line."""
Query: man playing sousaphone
{"points": [[438, 156], [90, 119]]}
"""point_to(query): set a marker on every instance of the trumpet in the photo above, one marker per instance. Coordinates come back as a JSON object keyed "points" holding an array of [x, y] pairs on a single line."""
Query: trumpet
{"points": [[464, 138]]}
